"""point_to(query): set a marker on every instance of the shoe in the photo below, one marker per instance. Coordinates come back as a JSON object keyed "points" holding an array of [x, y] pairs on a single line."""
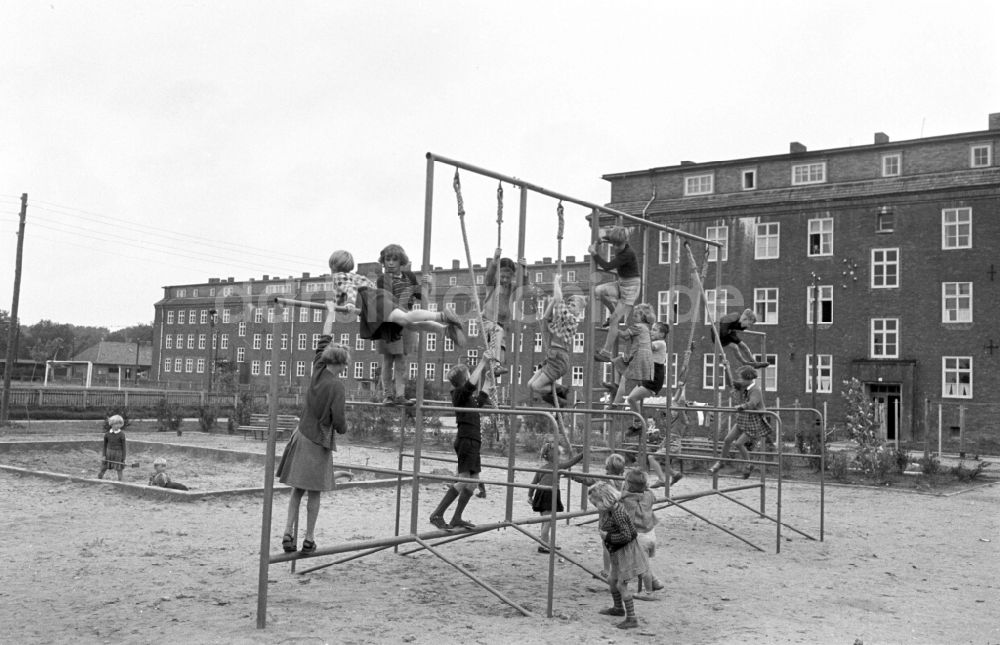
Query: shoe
{"points": [[402, 400], [747, 473], [462, 524], [629, 623], [288, 543], [389, 400], [716, 467], [605, 324], [481, 493], [439, 522], [657, 585], [500, 371], [602, 356], [613, 611], [543, 549], [610, 387], [759, 365], [676, 477], [308, 546], [645, 596]]}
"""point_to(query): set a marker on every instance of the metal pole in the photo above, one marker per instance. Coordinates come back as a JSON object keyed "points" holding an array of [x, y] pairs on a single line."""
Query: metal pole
{"points": [[265, 522], [418, 422], [14, 324]]}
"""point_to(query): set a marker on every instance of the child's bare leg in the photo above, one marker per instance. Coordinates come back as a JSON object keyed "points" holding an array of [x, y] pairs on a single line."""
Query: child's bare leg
{"points": [[312, 512], [399, 375], [104, 469], [654, 465], [727, 444], [621, 312], [540, 382], [293, 511], [622, 389], [429, 325]]}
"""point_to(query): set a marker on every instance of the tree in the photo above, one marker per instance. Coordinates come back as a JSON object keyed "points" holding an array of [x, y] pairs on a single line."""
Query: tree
{"points": [[137, 333]]}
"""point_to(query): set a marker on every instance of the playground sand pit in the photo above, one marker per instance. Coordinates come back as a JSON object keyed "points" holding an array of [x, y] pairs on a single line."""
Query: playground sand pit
{"points": [[91, 564]]}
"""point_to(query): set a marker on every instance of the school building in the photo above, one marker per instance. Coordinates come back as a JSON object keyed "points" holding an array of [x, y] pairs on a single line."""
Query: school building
{"points": [[898, 240]]}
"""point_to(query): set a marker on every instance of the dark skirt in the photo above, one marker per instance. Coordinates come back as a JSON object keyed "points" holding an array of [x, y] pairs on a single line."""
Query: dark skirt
{"points": [[376, 305], [542, 502], [306, 465], [114, 459]]}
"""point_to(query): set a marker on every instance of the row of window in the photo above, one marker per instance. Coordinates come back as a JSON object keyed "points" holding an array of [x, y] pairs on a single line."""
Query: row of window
{"points": [[804, 174], [956, 233], [956, 301]]}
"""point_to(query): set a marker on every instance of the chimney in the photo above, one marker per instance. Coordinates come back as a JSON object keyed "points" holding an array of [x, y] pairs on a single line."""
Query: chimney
{"points": [[305, 274], [266, 277], [995, 121], [230, 279], [571, 258], [546, 260], [795, 147], [455, 264], [881, 137], [687, 163]]}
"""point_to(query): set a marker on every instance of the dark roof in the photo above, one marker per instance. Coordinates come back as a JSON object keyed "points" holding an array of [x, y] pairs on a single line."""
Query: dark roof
{"points": [[112, 353]]}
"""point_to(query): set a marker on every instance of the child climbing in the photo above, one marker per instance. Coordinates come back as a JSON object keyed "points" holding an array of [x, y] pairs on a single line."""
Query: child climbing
{"points": [[559, 322], [620, 295]]}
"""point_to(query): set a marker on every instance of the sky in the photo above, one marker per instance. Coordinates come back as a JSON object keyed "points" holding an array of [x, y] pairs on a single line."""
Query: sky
{"points": [[169, 143]]}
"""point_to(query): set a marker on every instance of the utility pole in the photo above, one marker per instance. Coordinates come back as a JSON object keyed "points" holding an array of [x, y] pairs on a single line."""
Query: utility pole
{"points": [[12, 332]]}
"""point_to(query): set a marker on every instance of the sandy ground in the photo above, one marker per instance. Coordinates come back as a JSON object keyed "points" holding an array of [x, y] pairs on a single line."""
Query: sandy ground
{"points": [[87, 563]]}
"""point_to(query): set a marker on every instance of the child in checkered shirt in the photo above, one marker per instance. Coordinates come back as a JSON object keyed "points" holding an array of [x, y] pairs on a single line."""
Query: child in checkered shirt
{"points": [[560, 320]]}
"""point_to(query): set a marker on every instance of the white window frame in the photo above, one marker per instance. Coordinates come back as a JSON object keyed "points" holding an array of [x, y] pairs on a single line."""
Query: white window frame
{"points": [[824, 378], [953, 368], [241, 354], [711, 305], [167, 362], [473, 327], [301, 343], [578, 340], [577, 376], [665, 300], [203, 317], [765, 305], [284, 342], [767, 244], [258, 315], [224, 341], [710, 370], [190, 341], [885, 268], [664, 249], [192, 315], [571, 275], [359, 343], [538, 342], [752, 174], [700, 184], [977, 160], [202, 340], [178, 365], [892, 164], [472, 357], [267, 368], [282, 368], [188, 365], [817, 227], [825, 295], [300, 368], [770, 374], [430, 371], [168, 341], [256, 341], [303, 315], [445, 368], [359, 370], [452, 280], [718, 234], [885, 332], [268, 341], [345, 340], [372, 369], [804, 174], [170, 317], [318, 315], [956, 302], [241, 329], [315, 341], [180, 293], [956, 225], [431, 341]]}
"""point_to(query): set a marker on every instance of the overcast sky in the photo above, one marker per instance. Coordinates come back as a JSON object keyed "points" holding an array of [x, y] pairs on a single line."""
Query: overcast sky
{"points": [[166, 143]]}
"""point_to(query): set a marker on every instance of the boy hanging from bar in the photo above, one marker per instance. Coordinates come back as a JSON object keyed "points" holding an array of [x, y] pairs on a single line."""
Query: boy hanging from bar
{"points": [[559, 323], [501, 300], [620, 295]]}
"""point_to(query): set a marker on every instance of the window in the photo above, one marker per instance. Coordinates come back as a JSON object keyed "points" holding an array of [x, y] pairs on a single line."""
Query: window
{"points": [[345, 340], [479, 278], [824, 377], [578, 339], [885, 338], [718, 234], [770, 375], [373, 370], [359, 343], [170, 317], [885, 268], [430, 371], [166, 364], [472, 357], [956, 298], [711, 374], [767, 241], [449, 344], [188, 365], [699, 184], [268, 341], [300, 368], [956, 228], [980, 156], [825, 306], [665, 306], [301, 342], [190, 342], [885, 220], [715, 305], [539, 276], [258, 315], [809, 173], [200, 366], [180, 293], [225, 315], [168, 342], [267, 368], [371, 346], [282, 368], [821, 236], [571, 275], [284, 341], [450, 306], [224, 341], [577, 378], [192, 315], [748, 178], [956, 377], [665, 248], [359, 370], [538, 342], [286, 314], [241, 329], [303, 315], [203, 317], [473, 327], [765, 305], [412, 372], [432, 341], [256, 341], [892, 165], [270, 315], [194, 293], [317, 315], [201, 341], [227, 291], [432, 306], [445, 368], [452, 281], [178, 363], [241, 354], [215, 341], [316, 337]]}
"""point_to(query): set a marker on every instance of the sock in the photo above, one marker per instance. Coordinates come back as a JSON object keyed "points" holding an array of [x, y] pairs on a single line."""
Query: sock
{"points": [[446, 501], [629, 608], [463, 501], [617, 598]]}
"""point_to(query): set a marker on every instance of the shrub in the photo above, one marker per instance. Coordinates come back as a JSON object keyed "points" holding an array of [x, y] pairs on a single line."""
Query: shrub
{"points": [[245, 407], [929, 465], [902, 461], [837, 464], [168, 416], [208, 417], [965, 474]]}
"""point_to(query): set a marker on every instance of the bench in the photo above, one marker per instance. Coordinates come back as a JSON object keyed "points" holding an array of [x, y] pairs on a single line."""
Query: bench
{"points": [[260, 424], [692, 446]]}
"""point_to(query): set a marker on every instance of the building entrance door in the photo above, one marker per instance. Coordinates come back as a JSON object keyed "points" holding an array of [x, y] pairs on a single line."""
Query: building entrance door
{"points": [[886, 398]]}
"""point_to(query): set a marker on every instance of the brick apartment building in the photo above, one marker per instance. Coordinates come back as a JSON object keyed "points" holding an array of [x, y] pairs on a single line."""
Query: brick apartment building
{"points": [[902, 239], [224, 321]]}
